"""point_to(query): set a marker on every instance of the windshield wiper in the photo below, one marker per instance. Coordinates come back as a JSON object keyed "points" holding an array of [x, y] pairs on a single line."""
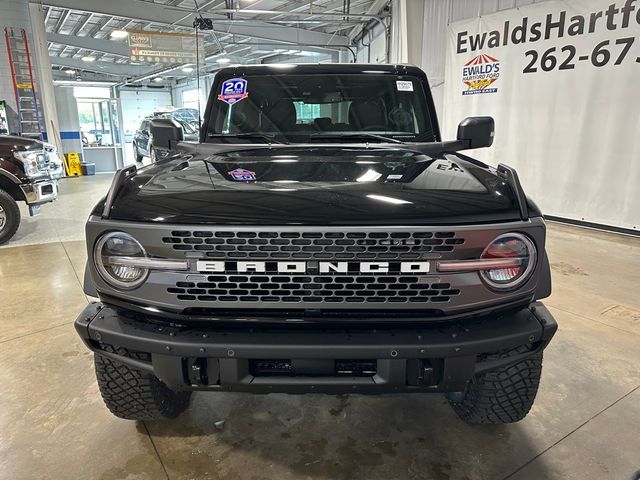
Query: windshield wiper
{"points": [[249, 135], [363, 135]]}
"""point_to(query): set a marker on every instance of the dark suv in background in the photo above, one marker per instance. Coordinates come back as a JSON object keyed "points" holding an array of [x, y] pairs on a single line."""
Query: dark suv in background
{"points": [[142, 137]]}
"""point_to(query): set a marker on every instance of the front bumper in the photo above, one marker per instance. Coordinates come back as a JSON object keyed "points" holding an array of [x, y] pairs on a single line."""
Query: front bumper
{"points": [[40, 192], [434, 358]]}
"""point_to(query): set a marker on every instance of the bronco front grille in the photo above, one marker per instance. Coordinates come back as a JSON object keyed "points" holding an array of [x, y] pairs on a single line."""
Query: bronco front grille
{"points": [[327, 289], [317, 245]]}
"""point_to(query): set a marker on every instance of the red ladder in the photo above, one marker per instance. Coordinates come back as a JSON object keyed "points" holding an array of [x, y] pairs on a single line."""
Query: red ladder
{"points": [[24, 88]]}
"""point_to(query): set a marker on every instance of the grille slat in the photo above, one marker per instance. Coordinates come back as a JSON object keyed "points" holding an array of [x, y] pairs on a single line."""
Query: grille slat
{"points": [[352, 288], [319, 245]]}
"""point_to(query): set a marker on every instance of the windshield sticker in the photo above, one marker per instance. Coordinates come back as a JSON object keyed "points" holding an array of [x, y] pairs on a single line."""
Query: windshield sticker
{"points": [[242, 175], [404, 86], [233, 90]]}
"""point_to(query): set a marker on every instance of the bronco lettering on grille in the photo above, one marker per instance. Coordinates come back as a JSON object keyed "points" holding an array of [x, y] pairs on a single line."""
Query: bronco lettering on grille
{"points": [[304, 267]]}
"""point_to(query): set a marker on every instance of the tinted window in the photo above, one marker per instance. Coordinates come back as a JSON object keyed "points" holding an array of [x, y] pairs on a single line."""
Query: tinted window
{"points": [[299, 108]]}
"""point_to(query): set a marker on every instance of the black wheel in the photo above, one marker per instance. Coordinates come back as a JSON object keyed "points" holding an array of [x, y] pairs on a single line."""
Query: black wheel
{"points": [[136, 395], [500, 396], [136, 154], [9, 217]]}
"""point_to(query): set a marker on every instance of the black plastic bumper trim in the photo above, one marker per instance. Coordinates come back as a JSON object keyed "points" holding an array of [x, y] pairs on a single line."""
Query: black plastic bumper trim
{"points": [[229, 350]]}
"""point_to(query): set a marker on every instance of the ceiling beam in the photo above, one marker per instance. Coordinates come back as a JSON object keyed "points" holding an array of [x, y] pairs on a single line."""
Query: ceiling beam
{"points": [[62, 20], [105, 68], [80, 25], [375, 8], [119, 49], [160, 14]]}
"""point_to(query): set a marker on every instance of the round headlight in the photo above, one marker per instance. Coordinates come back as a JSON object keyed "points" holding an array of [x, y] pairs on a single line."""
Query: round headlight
{"points": [[516, 247], [109, 249]]}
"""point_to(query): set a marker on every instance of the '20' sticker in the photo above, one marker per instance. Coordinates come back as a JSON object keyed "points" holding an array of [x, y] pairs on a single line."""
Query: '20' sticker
{"points": [[233, 90]]}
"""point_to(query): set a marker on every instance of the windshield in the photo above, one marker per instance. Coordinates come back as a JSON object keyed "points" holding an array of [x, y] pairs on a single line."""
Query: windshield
{"points": [[319, 108]]}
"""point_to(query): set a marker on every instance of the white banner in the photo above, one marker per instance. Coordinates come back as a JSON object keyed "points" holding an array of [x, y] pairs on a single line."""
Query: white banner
{"points": [[562, 81]]}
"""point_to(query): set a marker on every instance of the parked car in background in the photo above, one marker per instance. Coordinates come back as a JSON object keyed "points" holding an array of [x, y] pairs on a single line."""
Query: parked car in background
{"points": [[142, 138], [29, 172]]}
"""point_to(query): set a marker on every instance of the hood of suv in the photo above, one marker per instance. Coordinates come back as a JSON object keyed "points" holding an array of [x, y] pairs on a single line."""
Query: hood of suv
{"points": [[317, 185]]}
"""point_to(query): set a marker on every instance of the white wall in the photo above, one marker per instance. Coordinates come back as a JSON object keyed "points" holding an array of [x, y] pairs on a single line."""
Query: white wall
{"points": [[68, 122], [137, 104], [13, 13], [437, 16], [205, 86], [374, 47]]}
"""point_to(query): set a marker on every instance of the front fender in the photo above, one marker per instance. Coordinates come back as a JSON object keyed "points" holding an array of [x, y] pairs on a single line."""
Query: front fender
{"points": [[543, 289], [89, 286]]}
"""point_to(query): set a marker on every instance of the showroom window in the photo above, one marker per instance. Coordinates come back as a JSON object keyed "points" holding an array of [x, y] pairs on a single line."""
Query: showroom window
{"points": [[306, 112], [190, 99], [98, 116]]}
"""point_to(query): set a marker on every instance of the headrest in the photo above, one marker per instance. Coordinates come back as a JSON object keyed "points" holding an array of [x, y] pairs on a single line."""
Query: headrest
{"points": [[366, 113], [244, 117], [323, 123], [282, 115]]}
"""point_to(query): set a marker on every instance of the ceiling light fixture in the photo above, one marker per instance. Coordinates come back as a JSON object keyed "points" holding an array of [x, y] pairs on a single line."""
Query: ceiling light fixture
{"points": [[157, 79], [187, 69], [88, 59], [223, 60], [70, 71], [119, 34]]}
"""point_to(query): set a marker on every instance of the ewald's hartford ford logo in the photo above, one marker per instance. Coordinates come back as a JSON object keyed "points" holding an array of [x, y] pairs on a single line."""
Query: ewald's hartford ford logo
{"points": [[479, 75], [216, 266]]}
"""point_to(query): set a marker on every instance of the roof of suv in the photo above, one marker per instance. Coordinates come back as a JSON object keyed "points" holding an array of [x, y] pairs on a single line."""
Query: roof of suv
{"points": [[321, 68]]}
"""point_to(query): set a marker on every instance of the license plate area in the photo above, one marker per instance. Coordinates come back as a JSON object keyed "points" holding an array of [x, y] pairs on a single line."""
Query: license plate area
{"points": [[313, 367]]}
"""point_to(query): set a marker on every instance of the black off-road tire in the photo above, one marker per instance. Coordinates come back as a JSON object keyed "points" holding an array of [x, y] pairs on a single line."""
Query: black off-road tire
{"points": [[136, 154], [134, 394], [11, 212], [504, 395]]}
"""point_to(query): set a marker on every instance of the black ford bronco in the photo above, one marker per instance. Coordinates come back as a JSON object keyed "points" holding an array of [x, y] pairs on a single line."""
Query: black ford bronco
{"points": [[29, 172], [320, 237]]}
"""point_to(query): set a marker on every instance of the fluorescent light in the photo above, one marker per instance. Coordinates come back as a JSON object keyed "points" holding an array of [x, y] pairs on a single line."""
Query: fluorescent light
{"points": [[88, 59], [187, 69], [118, 34], [70, 71], [369, 176], [382, 198], [281, 65], [223, 60], [87, 83]]}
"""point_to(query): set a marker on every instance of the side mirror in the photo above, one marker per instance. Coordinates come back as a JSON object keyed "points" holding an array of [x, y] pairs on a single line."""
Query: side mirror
{"points": [[476, 132], [166, 133]]}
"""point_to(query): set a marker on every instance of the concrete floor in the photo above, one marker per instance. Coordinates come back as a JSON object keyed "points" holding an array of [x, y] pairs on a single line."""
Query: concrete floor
{"points": [[53, 424]]}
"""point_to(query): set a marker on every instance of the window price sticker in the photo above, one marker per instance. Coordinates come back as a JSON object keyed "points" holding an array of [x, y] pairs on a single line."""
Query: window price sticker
{"points": [[404, 85]]}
